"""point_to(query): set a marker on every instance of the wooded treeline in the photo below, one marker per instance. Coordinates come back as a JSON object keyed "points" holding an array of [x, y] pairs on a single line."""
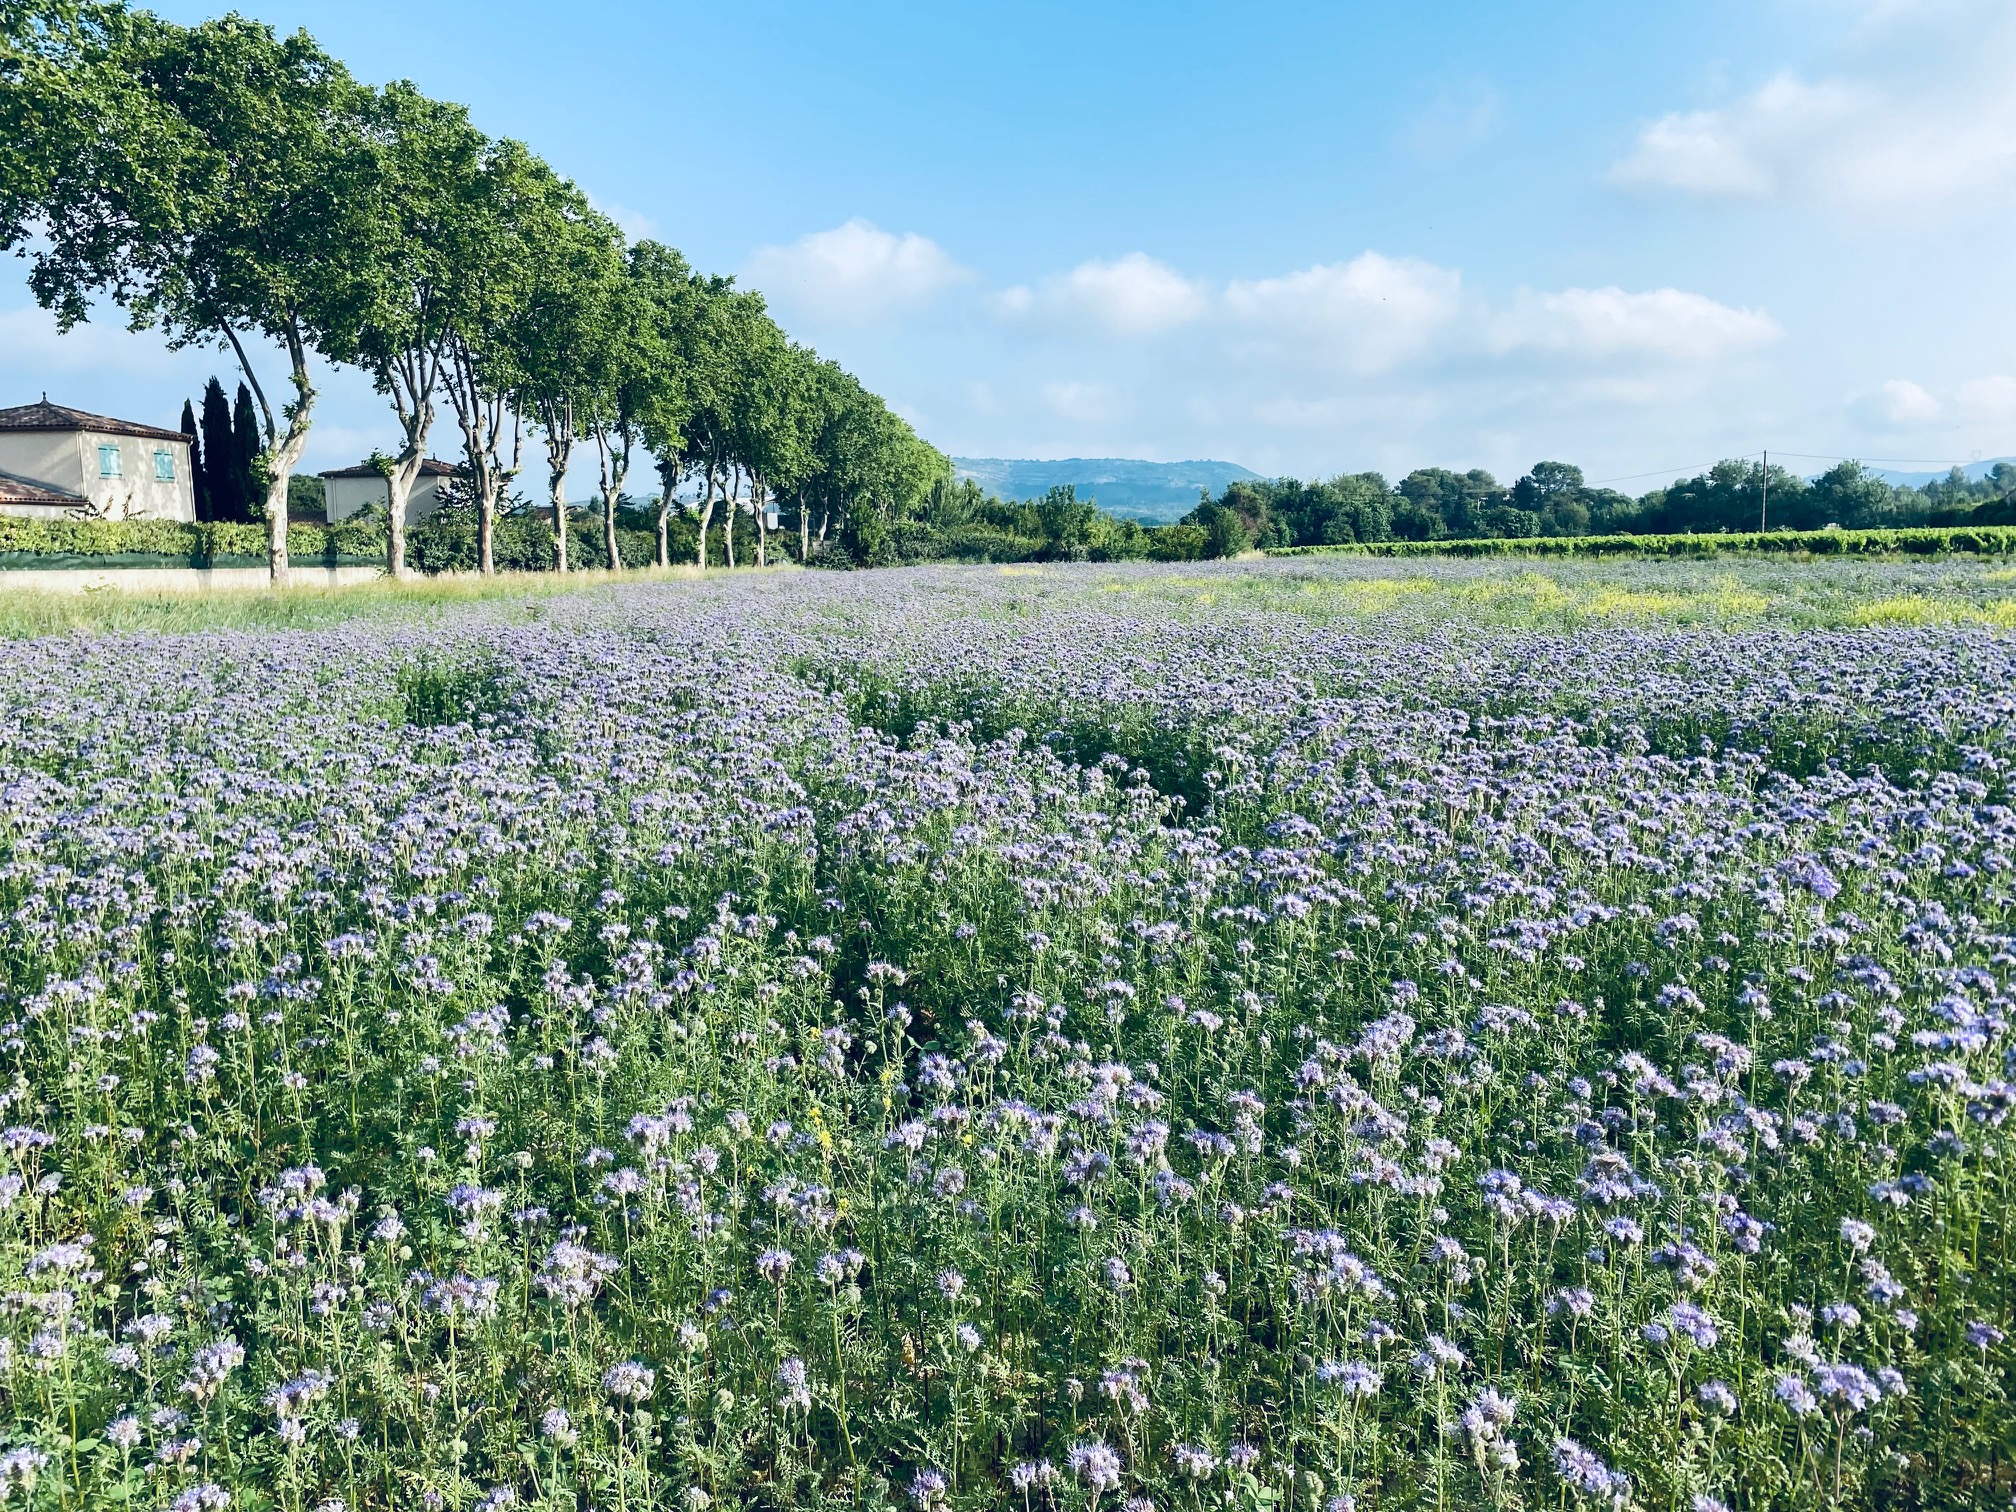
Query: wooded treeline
{"points": [[233, 187], [1435, 504], [957, 521]]}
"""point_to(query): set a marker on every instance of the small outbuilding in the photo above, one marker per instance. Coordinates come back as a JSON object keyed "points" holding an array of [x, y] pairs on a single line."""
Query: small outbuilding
{"points": [[346, 490], [57, 462]]}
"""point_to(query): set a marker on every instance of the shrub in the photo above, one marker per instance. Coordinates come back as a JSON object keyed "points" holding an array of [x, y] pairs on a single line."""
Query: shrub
{"points": [[35, 542]]}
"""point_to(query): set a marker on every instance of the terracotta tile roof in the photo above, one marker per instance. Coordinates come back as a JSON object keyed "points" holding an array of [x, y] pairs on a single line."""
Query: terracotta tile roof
{"points": [[57, 417], [430, 467], [15, 490]]}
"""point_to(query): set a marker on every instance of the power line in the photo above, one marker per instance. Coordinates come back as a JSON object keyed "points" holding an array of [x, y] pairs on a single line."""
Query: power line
{"points": [[1673, 472]]}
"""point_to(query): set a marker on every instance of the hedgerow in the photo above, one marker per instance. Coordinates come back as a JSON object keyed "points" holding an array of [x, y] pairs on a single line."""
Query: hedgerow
{"points": [[1984, 540]]}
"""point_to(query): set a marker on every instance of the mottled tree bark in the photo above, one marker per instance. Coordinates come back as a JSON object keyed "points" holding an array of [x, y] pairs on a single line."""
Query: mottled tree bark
{"points": [[558, 420], [706, 513], [283, 452]]}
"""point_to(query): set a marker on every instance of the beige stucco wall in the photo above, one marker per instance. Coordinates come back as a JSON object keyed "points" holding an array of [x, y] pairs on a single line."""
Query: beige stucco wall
{"points": [[175, 579], [68, 460], [343, 497], [50, 458]]}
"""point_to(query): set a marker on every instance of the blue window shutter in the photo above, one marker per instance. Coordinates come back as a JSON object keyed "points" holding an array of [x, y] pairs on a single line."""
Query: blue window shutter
{"points": [[164, 465], [108, 462]]}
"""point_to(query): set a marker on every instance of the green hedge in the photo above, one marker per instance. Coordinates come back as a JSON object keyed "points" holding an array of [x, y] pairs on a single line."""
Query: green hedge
{"points": [[27, 542], [446, 541], [1980, 540]]}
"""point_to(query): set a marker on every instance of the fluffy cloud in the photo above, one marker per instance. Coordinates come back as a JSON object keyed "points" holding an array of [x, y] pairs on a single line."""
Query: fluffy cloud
{"points": [[1927, 121], [855, 272], [1749, 149], [1976, 412], [1902, 402], [634, 224], [1370, 358], [1375, 315], [1608, 324], [1992, 398], [1133, 295], [1368, 314]]}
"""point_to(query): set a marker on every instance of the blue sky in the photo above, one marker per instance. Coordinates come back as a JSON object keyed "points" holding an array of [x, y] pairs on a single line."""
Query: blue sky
{"points": [[1307, 238]]}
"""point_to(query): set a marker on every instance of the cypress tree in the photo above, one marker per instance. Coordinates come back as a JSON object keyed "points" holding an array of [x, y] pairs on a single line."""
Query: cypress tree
{"points": [[218, 450], [245, 455], [199, 486]]}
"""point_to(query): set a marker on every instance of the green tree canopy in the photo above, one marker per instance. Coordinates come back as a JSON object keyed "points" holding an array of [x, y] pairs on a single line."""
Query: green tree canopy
{"points": [[212, 181]]}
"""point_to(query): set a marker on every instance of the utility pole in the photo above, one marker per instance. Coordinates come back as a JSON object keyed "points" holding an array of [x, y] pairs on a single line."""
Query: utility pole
{"points": [[1764, 506]]}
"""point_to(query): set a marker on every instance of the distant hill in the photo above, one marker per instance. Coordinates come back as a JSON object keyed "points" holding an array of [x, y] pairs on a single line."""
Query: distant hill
{"points": [[1151, 492], [1920, 479]]}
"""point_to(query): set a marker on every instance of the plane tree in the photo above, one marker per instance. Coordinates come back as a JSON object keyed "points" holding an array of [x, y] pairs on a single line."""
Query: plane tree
{"points": [[211, 181], [412, 273], [574, 267], [518, 195]]}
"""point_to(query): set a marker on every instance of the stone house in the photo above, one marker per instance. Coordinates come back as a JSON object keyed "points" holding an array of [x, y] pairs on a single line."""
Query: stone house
{"points": [[58, 462], [349, 489]]}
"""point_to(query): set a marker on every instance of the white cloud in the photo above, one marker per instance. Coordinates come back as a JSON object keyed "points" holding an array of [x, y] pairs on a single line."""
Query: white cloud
{"points": [[1611, 323], [1899, 401], [1925, 121], [1377, 314], [1748, 149], [1367, 314], [1991, 398], [634, 224], [1375, 360], [1133, 295], [855, 272]]}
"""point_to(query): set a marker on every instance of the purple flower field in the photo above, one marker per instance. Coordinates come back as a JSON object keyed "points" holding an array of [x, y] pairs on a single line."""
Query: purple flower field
{"points": [[952, 1040]]}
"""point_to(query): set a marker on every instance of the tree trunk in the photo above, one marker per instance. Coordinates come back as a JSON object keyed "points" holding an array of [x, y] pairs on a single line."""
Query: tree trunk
{"points": [[481, 418], [762, 526], [612, 470], [285, 451], [825, 517], [706, 514], [410, 378], [665, 532], [804, 532], [728, 518], [398, 492], [280, 469], [486, 525], [609, 546], [559, 423]]}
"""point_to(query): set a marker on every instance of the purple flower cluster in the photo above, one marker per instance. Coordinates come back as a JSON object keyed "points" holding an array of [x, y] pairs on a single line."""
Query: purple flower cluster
{"points": [[1007, 1038]]}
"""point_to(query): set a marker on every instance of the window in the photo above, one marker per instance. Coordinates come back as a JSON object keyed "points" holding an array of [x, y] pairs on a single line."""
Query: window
{"points": [[108, 462], [164, 465]]}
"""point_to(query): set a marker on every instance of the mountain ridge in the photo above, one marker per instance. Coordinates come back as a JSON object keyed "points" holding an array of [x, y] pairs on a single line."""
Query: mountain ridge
{"points": [[1975, 471], [1131, 487]]}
